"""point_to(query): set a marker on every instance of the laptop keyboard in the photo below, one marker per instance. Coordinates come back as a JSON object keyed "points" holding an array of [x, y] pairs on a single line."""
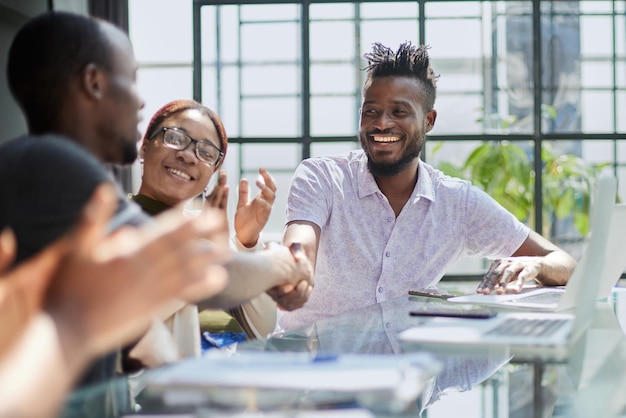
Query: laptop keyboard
{"points": [[545, 297], [527, 327]]}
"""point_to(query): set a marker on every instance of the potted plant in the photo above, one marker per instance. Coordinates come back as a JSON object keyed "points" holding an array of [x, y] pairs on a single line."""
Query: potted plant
{"points": [[504, 170]]}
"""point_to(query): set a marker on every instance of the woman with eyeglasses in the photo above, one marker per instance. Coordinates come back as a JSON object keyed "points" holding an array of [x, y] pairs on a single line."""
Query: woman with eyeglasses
{"points": [[184, 145]]}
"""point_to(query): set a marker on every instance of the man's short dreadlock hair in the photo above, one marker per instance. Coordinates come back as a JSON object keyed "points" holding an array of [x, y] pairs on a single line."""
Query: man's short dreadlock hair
{"points": [[408, 61]]}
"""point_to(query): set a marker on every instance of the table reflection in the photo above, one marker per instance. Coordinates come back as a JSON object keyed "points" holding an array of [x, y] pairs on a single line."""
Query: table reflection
{"points": [[596, 369]]}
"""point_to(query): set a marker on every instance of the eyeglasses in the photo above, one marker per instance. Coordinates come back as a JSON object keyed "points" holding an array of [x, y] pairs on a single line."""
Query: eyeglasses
{"points": [[176, 138]]}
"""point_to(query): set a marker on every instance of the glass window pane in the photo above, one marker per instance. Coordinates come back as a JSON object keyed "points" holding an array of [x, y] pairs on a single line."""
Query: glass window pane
{"points": [[263, 42], [271, 117], [567, 191], [332, 41], [443, 45], [597, 152], [384, 10], [208, 33], [333, 116], [441, 154], [596, 74], [331, 11], [270, 156], [333, 79], [453, 81], [621, 153], [273, 230], [621, 110], [333, 148], [620, 70], [595, 6], [388, 33], [227, 103], [156, 36], [457, 114], [620, 35], [270, 79], [158, 86], [209, 88], [598, 39], [453, 9], [228, 33], [267, 12], [597, 111]]}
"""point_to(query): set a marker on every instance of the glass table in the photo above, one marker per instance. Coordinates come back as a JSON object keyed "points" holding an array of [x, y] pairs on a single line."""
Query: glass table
{"points": [[490, 383]]}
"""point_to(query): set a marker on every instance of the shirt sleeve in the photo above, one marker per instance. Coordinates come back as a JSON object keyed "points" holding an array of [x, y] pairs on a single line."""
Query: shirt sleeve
{"points": [[310, 193], [237, 245], [492, 231]]}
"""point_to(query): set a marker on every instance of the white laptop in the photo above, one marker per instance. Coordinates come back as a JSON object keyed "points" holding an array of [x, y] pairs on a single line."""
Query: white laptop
{"points": [[531, 335], [560, 299]]}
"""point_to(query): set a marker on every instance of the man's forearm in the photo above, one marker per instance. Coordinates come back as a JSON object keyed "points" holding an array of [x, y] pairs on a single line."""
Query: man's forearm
{"points": [[250, 275], [557, 268]]}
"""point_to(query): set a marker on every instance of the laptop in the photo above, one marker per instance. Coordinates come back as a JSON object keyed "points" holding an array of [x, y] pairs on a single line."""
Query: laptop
{"points": [[548, 336], [561, 299]]}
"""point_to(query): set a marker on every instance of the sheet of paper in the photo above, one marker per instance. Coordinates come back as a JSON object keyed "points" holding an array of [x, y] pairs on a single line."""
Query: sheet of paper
{"points": [[298, 371]]}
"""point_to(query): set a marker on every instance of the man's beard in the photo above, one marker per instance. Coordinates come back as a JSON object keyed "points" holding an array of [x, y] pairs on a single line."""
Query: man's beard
{"points": [[383, 169], [129, 153]]}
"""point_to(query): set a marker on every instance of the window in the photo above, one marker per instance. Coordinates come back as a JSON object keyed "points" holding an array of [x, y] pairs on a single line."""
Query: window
{"points": [[284, 77]]}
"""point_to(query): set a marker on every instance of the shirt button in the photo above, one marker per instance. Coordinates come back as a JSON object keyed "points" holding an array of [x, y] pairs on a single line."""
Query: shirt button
{"points": [[389, 219], [388, 325], [387, 254], [380, 290]]}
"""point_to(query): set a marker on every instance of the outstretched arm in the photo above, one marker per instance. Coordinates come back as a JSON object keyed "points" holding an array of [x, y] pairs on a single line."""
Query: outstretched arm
{"points": [[253, 273]]}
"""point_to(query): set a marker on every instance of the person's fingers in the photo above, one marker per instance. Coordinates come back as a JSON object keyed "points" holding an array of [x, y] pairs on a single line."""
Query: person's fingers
{"points": [[218, 197], [221, 198], [296, 250], [490, 279], [516, 285], [8, 248], [96, 214], [305, 269], [302, 289], [295, 300], [507, 275], [213, 225], [221, 179], [282, 290], [268, 179], [244, 192], [267, 185]]}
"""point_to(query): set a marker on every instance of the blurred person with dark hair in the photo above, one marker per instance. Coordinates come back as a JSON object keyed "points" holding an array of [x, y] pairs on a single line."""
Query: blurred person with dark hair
{"points": [[75, 77], [84, 294]]}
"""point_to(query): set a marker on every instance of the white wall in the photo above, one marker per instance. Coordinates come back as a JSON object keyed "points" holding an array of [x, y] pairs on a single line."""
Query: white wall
{"points": [[13, 14]]}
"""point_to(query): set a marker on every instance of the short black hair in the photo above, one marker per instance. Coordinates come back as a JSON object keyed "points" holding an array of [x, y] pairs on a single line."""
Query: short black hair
{"points": [[46, 54], [407, 61]]}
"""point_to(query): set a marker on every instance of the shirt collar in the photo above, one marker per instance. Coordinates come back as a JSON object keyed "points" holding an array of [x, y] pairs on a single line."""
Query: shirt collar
{"points": [[149, 205], [367, 185]]}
